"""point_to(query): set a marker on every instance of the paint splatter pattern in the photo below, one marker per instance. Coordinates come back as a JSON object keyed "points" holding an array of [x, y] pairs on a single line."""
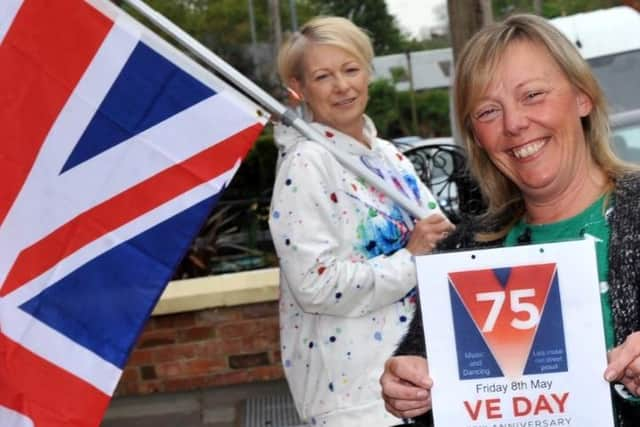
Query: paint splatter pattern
{"points": [[346, 283]]}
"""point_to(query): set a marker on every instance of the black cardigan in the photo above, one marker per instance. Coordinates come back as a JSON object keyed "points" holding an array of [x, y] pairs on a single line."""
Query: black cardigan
{"points": [[624, 274]]}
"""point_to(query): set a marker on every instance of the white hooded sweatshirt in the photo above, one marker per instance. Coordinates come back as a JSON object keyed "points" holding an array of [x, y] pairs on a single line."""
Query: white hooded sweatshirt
{"points": [[346, 283]]}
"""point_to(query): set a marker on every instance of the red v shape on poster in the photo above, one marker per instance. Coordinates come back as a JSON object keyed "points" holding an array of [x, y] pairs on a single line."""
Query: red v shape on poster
{"points": [[507, 306]]}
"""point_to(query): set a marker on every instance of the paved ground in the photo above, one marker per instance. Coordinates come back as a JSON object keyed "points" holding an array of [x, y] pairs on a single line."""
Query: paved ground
{"points": [[247, 405]]}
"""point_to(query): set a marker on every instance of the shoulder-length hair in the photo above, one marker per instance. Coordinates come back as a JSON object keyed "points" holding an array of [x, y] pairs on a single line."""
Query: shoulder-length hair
{"points": [[474, 70]]}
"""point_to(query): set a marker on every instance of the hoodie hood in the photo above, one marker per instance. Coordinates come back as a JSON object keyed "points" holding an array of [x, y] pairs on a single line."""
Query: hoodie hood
{"points": [[286, 137]]}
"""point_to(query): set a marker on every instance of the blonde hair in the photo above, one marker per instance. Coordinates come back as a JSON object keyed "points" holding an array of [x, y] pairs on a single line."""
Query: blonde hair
{"points": [[474, 71], [326, 30]]}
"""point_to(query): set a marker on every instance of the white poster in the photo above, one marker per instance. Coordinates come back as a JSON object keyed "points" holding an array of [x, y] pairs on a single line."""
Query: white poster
{"points": [[515, 337]]}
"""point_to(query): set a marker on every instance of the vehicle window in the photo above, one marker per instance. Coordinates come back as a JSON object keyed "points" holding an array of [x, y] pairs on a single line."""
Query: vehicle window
{"points": [[619, 76], [626, 143]]}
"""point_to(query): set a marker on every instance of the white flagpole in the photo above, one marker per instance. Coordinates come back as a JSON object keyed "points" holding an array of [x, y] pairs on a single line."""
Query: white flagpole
{"points": [[287, 115]]}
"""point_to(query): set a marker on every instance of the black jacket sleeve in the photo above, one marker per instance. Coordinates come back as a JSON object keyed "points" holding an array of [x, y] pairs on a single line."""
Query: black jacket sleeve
{"points": [[412, 343]]}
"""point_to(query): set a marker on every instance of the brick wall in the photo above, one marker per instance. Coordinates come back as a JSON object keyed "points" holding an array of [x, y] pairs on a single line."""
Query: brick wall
{"points": [[218, 346]]}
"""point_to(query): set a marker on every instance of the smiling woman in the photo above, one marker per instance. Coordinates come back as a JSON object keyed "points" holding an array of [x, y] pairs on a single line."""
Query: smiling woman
{"points": [[517, 125], [534, 122], [345, 249], [336, 85]]}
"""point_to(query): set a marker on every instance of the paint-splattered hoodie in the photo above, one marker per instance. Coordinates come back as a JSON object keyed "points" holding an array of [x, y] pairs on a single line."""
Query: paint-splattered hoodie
{"points": [[346, 283]]}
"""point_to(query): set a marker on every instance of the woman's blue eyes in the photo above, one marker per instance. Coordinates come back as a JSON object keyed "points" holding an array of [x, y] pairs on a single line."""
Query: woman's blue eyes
{"points": [[349, 71], [485, 113], [533, 94], [529, 96]]}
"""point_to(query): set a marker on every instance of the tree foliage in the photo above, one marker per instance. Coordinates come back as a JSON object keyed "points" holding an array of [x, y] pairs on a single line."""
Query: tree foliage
{"points": [[224, 27], [372, 15], [390, 110]]}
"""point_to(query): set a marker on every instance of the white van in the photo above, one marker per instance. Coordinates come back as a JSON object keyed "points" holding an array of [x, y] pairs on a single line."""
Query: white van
{"points": [[609, 39]]}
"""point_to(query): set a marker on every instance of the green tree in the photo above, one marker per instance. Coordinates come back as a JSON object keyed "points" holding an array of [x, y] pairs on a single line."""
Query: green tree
{"points": [[224, 27], [383, 108], [433, 113], [390, 110], [371, 15]]}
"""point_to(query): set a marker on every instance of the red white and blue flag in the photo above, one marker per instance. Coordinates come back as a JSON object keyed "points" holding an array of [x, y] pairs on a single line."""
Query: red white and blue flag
{"points": [[113, 149]]}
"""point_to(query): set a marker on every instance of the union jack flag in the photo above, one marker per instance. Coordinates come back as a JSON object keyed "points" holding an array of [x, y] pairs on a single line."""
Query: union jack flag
{"points": [[113, 149]]}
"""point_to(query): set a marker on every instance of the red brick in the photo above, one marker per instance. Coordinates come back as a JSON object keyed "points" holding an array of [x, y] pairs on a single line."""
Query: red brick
{"points": [[243, 361], [196, 333], [227, 378], [260, 343], [171, 321], [184, 384], [268, 328], [234, 346], [157, 338], [178, 384], [129, 375], [218, 315], [266, 373], [191, 350], [150, 387], [148, 373], [237, 329], [241, 345], [256, 311], [175, 352], [190, 368], [171, 369], [225, 347], [216, 347], [207, 349], [139, 357], [203, 366]]}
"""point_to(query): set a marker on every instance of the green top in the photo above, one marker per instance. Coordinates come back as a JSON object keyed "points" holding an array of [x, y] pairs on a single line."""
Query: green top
{"points": [[591, 222]]}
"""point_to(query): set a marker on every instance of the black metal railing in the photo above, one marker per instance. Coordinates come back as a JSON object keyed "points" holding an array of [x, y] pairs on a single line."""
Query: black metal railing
{"points": [[234, 238], [236, 235], [443, 168]]}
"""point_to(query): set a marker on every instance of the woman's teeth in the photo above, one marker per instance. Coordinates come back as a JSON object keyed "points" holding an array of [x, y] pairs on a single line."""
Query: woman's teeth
{"points": [[528, 149]]}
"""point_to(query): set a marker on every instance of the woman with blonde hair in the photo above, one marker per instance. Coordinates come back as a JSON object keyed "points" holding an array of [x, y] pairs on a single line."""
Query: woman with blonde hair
{"points": [[534, 122], [346, 249]]}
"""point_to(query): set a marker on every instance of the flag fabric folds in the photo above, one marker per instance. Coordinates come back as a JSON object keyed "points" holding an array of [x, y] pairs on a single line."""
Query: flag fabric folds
{"points": [[114, 147]]}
